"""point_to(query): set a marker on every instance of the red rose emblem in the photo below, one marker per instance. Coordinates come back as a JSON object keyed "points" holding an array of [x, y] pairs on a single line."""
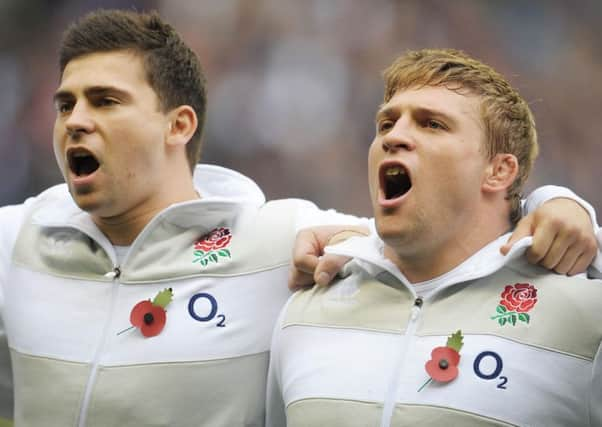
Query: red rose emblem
{"points": [[520, 297], [217, 239], [212, 246]]}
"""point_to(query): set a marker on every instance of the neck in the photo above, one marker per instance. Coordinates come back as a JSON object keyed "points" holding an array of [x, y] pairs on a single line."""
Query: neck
{"points": [[122, 229], [445, 252]]}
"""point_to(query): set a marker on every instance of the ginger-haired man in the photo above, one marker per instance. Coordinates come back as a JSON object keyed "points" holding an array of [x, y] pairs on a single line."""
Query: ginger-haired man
{"points": [[433, 326]]}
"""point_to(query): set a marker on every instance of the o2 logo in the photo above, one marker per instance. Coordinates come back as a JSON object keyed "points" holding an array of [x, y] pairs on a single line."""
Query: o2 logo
{"points": [[488, 365], [203, 308]]}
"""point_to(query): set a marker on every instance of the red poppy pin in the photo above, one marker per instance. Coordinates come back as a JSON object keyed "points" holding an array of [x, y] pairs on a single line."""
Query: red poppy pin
{"points": [[150, 317], [443, 365], [516, 301]]}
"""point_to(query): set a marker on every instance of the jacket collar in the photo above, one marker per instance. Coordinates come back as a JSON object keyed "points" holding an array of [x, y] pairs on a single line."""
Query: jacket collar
{"points": [[224, 193], [368, 254]]}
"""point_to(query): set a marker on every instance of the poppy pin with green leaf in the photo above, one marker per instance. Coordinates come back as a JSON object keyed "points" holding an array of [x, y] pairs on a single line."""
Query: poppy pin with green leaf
{"points": [[443, 365], [150, 317]]}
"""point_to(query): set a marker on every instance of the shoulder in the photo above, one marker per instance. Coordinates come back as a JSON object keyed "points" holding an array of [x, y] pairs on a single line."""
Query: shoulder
{"points": [[562, 313], [281, 214], [357, 301], [13, 216], [583, 290], [289, 205], [307, 214]]}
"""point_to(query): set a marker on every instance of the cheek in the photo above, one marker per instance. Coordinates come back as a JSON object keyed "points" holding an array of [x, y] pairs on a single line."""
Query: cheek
{"points": [[57, 147], [458, 181], [373, 170], [137, 158], [454, 166]]}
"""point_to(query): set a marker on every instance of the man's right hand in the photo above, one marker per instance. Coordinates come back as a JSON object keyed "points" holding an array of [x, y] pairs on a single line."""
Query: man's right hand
{"points": [[310, 264]]}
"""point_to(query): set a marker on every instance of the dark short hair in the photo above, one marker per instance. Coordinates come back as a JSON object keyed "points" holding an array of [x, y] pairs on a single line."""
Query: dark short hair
{"points": [[172, 68]]}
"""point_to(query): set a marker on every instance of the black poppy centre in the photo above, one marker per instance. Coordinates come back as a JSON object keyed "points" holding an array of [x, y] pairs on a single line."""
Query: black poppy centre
{"points": [[148, 318]]}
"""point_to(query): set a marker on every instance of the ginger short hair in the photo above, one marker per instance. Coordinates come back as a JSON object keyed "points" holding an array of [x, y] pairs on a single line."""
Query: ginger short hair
{"points": [[508, 121]]}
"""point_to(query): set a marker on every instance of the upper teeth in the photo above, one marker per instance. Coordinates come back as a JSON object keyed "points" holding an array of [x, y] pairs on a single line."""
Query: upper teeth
{"points": [[80, 154], [395, 170]]}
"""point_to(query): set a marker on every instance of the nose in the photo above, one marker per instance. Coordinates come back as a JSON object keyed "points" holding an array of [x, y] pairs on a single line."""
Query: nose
{"points": [[79, 121], [399, 138]]}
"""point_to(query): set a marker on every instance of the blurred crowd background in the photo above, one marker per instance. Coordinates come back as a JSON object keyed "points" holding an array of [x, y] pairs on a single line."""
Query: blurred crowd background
{"points": [[294, 84]]}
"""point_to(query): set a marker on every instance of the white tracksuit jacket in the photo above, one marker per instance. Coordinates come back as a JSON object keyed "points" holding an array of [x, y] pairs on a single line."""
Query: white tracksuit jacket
{"points": [[354, 354], [64, 299]]}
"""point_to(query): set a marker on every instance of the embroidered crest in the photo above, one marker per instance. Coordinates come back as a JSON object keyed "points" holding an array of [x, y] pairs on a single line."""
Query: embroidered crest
{"points": [[213, 246], [517, 300]]}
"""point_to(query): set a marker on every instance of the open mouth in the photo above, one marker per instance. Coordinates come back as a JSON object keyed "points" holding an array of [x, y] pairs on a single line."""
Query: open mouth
{"points": [[82, 162], [395, 181]]}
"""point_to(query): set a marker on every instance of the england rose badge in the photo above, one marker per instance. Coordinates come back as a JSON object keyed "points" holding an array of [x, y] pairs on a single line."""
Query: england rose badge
{"points": [[516, 302], [212, 246]]}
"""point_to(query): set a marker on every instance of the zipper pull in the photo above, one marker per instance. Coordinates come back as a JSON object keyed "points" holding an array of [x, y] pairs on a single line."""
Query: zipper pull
{"points": [[416, 308], [114, 274]]}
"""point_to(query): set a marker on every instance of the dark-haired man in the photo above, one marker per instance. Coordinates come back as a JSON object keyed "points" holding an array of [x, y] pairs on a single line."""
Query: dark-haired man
{"points": [[433, 326], [146, 294]]}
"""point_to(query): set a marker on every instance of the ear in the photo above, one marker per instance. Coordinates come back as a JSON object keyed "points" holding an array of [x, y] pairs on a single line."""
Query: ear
{"points": [[500, 173], [181, 126]]}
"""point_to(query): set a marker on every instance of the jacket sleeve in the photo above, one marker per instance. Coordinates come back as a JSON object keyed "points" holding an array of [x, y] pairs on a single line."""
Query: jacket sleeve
{"points": [[275, 406], [595, 270], [309, 215], [595, 409], [548, 192], [11, 218]]}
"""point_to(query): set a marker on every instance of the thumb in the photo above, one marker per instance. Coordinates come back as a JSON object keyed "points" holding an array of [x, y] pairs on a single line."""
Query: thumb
{"points": [[328, 267], [523, 228]]}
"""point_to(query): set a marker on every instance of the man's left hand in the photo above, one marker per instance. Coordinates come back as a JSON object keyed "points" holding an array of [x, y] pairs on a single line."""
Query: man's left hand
{"points": [[563, 237]]}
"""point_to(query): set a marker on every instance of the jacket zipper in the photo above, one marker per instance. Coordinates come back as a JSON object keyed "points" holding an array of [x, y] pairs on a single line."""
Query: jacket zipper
{"points": [[82, 419], [406, 341]]}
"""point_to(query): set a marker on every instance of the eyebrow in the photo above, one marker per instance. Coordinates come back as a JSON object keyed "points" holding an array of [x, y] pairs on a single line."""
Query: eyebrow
{"points": [[448, 118], [421, 111], [383, 112], [94, 91]]}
